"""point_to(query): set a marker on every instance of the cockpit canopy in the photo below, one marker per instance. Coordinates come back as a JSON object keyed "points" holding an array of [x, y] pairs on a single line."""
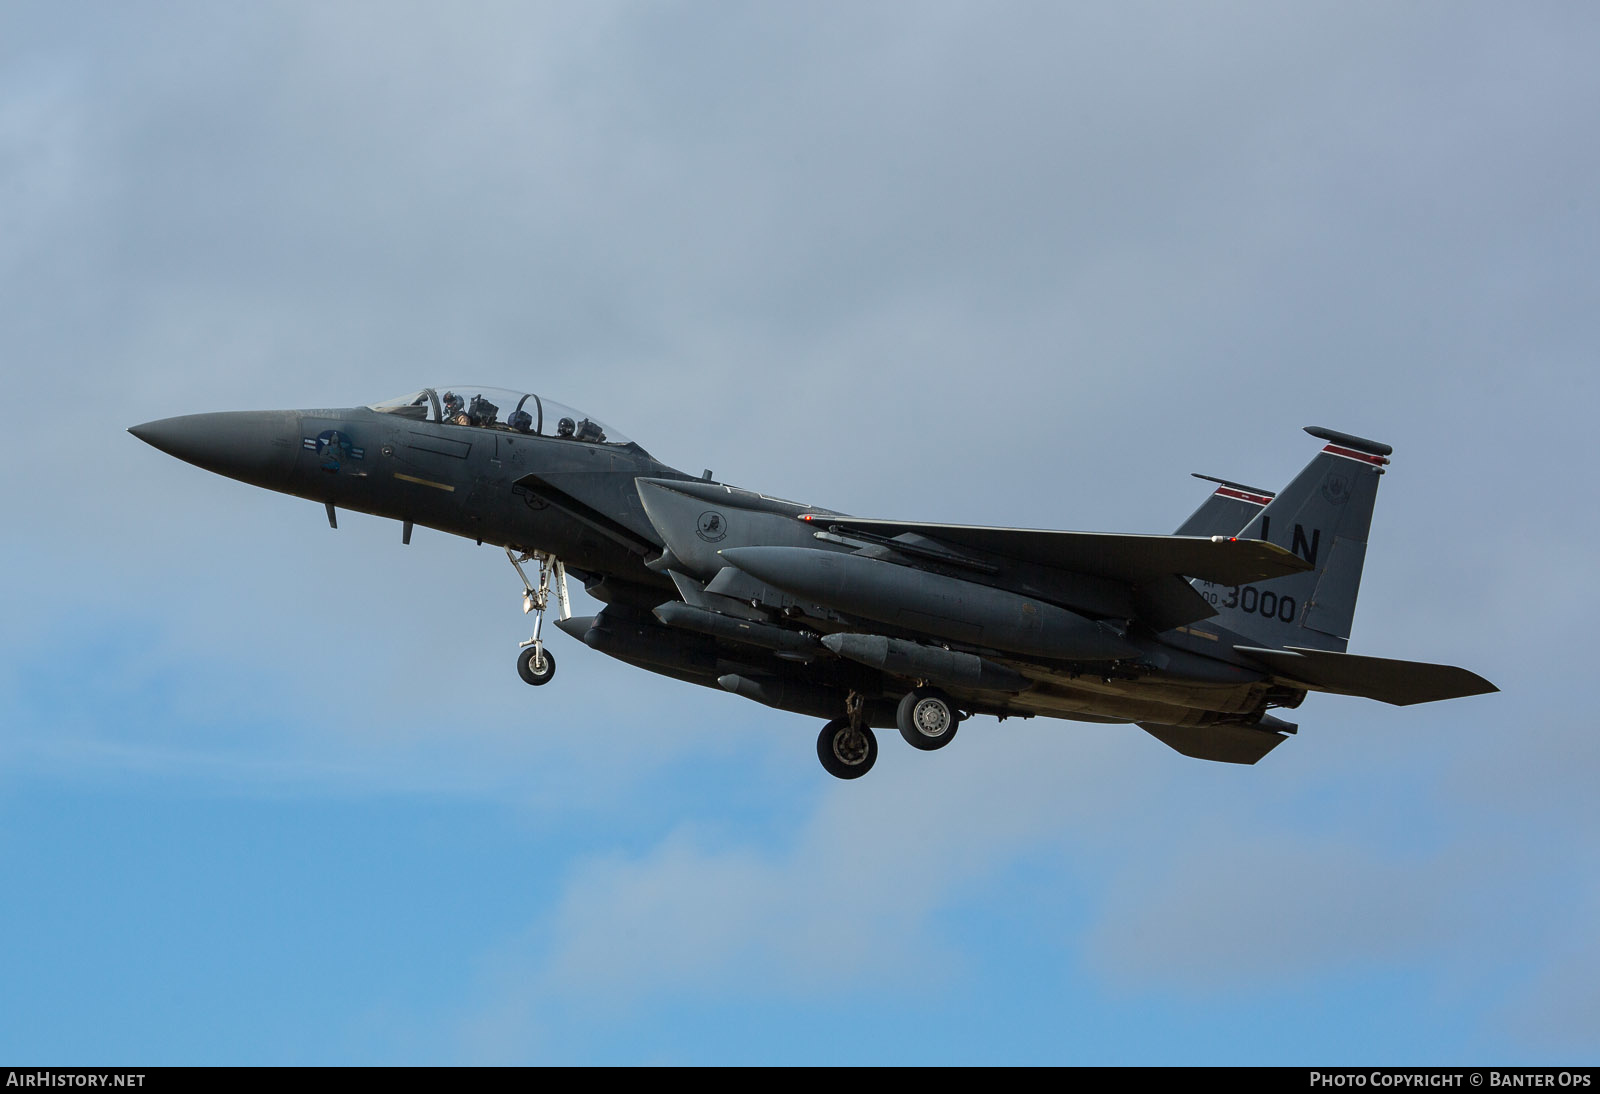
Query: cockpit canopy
{"points": [[477, 407]]}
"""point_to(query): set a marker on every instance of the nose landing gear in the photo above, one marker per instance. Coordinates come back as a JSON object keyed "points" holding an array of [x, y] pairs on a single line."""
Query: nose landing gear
{"points": [[535, 664]]}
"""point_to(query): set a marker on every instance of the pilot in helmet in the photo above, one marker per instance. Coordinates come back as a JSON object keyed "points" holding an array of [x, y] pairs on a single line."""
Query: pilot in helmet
{"points": [[566, 427], [453, 409]]}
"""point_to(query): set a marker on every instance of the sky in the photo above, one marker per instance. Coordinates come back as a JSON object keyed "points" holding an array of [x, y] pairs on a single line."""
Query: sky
{"points": [[273, 793]]}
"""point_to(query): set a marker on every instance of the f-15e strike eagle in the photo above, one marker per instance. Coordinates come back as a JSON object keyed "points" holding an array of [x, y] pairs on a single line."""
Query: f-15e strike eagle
{"points": [[1195, 637]]}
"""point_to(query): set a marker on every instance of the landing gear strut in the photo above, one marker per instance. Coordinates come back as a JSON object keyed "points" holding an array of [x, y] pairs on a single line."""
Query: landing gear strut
{"points": [[535, 664], [846, 746]]}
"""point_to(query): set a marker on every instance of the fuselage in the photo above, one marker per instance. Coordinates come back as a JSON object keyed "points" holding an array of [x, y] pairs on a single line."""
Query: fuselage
{"points": [[523, 489]]}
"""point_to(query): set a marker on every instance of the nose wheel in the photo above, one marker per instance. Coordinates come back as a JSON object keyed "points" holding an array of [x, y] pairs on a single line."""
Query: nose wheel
{"points": [[535, 664]]}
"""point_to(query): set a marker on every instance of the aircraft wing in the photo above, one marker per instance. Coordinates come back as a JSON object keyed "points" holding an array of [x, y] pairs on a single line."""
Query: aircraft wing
{"points": [[1401, 683], [1134, 559]]}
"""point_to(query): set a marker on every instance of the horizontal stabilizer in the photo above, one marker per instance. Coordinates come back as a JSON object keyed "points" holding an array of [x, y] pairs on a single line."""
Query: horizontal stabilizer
{"points": [[1401, 683], [1134, 559], [1223, 743]]}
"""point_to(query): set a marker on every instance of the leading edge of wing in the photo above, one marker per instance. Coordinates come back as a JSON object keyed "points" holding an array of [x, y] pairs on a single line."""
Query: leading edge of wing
{"points": [[1135, 559]]}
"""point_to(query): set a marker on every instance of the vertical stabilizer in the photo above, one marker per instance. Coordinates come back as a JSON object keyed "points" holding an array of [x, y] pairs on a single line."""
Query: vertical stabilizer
{"points": [[1229, 508], [1323, 516]]}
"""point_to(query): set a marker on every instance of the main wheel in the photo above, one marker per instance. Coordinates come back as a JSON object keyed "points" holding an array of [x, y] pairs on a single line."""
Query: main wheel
{"points": [[846, 753], [927, 719], [536, 674]]}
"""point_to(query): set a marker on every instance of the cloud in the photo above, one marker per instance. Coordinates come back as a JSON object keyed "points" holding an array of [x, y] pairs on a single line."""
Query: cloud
{"points": [[1025, 264], [847, 901], [1242, 912], [1557, 1009]]}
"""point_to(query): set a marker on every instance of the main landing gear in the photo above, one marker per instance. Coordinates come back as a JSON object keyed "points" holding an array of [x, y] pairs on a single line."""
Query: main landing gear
{"points": [[927, 718], [846, 746], [535, 664]]}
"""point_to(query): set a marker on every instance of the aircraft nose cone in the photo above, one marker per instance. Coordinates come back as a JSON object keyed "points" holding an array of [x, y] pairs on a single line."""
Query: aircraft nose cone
{"points": [[254, 446]]}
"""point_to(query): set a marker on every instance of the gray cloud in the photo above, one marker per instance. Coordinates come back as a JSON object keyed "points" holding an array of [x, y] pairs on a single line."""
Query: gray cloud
{"points": [[1025, 264], [1235, 911]]}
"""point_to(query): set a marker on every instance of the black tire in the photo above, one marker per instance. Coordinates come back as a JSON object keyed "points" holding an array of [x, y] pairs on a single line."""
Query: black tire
{"points": [[526, 670], [838, 757], [927, 719]]}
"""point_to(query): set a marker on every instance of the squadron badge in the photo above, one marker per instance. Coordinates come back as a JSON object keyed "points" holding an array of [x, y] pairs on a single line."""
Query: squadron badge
{"points": [[712, 526]]}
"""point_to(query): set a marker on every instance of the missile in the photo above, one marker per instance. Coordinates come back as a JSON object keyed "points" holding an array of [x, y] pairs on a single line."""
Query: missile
{"points": [[805, 698], [932, 604], [946, 668], [636, 641], [795, 695], [751, 633]]}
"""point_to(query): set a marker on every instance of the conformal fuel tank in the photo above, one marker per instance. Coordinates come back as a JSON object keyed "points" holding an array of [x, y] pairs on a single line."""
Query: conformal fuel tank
{"points": [[932, 604]]}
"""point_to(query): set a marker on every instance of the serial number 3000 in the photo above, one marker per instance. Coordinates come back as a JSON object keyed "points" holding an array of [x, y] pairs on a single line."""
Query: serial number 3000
{"points": [[1248, 598]]}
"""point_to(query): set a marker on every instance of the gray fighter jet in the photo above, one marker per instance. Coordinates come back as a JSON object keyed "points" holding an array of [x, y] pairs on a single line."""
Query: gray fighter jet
{"points": [[1195, 637]]}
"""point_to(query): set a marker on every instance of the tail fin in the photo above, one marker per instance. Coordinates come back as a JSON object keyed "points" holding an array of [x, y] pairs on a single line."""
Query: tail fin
{"points": [[1228, 509], [1323, 516]]}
